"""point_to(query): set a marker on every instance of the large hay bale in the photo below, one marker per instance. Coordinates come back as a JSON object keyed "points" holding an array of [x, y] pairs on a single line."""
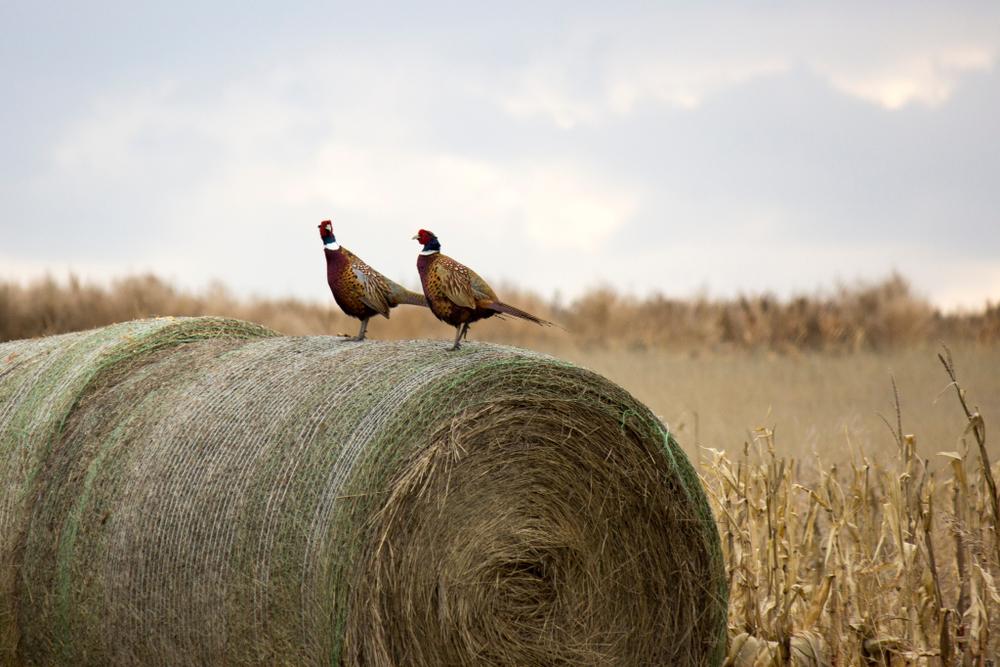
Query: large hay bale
{"points": [[201, 491]]}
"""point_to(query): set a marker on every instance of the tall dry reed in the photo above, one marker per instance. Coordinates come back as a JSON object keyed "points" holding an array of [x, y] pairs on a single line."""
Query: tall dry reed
{"points": [[862, 317]]}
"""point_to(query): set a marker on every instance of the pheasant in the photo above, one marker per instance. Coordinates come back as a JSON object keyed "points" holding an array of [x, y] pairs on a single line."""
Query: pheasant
{"points": [[358, 289], [455, 293]]}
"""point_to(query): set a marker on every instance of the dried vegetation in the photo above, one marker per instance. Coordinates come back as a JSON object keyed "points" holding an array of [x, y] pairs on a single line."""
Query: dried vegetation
{"points": [[867, 564], [867, 554], [874, 316]]}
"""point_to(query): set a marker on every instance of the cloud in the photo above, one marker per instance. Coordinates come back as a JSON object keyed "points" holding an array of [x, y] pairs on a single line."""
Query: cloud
{"points": [[929, 79], [678, 60], [543, 90], [550, 203], [683, 85], [650, 149], [629, 82], [248, 163]]}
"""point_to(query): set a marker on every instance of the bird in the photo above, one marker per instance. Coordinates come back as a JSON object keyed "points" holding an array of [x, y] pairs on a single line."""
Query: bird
{"points": [[359, 290], [456, 294]]}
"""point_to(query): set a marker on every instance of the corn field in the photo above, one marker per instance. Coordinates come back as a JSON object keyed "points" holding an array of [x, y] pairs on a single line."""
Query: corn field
{"points": [[869, 564]]}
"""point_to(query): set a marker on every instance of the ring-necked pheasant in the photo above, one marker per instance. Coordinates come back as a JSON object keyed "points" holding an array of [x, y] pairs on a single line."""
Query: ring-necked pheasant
{"points": [[359, 290], [455, 293]]}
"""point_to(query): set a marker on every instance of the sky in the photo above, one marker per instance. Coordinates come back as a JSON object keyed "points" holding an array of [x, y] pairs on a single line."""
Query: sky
{"points": [[665, 147]]}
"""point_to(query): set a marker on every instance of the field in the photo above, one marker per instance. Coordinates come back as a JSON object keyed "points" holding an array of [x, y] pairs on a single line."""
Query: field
{"points": [[821, 406], [816, 369], [856, 505], [850, 529]]}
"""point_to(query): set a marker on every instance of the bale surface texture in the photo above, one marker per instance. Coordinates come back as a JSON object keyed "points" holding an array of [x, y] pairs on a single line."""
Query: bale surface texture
{"points": [[202, 491]]}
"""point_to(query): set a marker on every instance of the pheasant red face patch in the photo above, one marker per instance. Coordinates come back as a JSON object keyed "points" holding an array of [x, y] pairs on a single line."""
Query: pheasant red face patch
{"points": [[424, 236]]}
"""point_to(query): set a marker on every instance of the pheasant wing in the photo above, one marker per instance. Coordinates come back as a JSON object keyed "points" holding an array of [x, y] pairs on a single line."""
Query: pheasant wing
{"points": [[481, 289], [456, 283], [374, 291]]}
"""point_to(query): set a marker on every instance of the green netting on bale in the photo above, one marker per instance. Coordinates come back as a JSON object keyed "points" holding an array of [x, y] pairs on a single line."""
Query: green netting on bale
{"points": [[40, 383], [235, 498]]}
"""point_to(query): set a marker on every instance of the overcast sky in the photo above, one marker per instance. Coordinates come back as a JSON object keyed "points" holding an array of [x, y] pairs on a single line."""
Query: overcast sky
{"points": [[652, 147]]}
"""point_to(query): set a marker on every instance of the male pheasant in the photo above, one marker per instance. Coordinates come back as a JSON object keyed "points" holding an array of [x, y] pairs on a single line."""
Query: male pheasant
{"points": [[455, 293], [358, 289]]}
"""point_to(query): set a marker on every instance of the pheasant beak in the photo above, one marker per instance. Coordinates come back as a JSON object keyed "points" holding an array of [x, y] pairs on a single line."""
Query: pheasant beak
{"points": [[416, 237]]}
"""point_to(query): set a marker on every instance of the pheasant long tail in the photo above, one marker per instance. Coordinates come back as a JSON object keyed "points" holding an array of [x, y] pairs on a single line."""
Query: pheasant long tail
{"points": [[402, 296], [506, 309]]}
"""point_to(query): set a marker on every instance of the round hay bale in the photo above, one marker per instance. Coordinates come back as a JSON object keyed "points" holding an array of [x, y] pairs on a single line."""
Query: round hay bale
{"points": [[201, 491]]}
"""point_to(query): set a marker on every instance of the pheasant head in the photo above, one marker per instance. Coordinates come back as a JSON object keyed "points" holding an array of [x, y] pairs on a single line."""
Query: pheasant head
{"points": [[429, 241], [326, 233]]}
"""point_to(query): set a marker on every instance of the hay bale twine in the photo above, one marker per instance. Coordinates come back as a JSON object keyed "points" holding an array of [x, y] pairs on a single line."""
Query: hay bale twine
{"points": [[201, 491]]}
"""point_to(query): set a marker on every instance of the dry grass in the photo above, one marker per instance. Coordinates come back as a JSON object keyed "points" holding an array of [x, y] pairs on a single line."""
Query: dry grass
{"points": [[877, 316], [819, 405]]}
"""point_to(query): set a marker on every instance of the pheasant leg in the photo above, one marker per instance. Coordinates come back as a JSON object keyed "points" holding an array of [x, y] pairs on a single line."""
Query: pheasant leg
{"points": [[458, 337], [364, 328]]}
